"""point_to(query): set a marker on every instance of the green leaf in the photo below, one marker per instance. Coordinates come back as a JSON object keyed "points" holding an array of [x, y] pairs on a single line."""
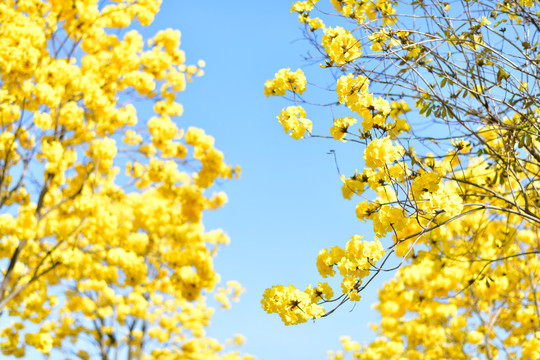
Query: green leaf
{"points": [[451, 113], [501, 74]]}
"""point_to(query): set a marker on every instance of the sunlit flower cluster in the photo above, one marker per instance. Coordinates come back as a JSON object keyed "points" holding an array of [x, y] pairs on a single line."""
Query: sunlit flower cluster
{"points": [[381, 152], [285, 80], [292, 305], [453, 196], [102, 242], [341, 46], [340, 127], [293, 119], [353, 262]]}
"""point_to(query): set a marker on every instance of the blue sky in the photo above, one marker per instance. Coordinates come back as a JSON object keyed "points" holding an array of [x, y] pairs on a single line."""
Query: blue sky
{"points": [[287, 204]]}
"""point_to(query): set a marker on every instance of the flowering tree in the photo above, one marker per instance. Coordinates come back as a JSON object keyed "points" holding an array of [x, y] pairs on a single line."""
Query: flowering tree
{"points": [[103, 250], [450, 188]]}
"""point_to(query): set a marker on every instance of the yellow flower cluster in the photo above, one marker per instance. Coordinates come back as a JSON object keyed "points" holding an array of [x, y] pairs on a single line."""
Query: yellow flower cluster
{"points": [[355, 9], [466, 226], [231, 292], [353, 91], [411, 193], [285, 80], [427, 186], [353, 262], [292, 305], [399, 125], [340, 46], [389, 219], [425, 182], [446, 200], [42, 342], [435, 301], [362, 11], [322, 292], [293, 119], [353, 185], [340, 127], [303, 6], [126, 255], [303, 9], [381, 152], [379, 40]]}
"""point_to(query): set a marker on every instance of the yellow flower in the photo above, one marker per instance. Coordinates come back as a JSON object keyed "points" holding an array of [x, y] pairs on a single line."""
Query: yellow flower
{"points": [[42, 342], [322, 292], [381, 152], [425, 182], [303, 6], [292, 305], [340, 45], [341, 126], [353, 185], [285, 80], [293, 119]]}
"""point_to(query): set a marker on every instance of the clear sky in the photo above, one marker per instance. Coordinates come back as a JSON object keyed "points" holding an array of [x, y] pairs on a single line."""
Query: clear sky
{"points": [[287, 204]]}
